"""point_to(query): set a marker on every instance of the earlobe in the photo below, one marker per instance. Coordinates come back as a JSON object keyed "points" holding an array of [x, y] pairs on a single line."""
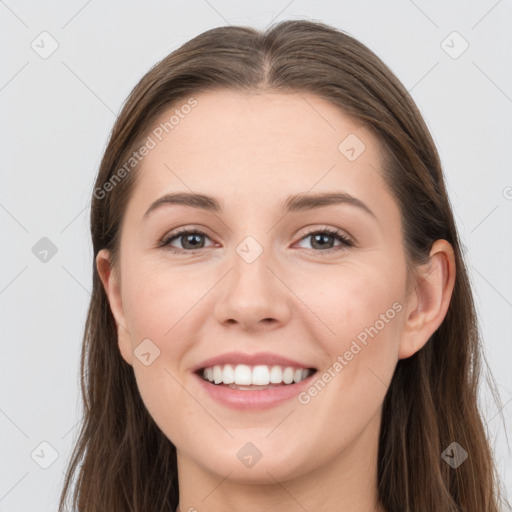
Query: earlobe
{"points": [[111, 286], [429, 300]]}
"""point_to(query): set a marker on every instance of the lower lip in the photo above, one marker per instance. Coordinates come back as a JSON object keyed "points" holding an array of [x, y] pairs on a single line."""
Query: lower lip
{"points": [[257, 399]]}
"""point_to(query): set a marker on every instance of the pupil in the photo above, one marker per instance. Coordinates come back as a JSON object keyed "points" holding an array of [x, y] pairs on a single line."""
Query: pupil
{"points": [[189, 240], [319, 238]]}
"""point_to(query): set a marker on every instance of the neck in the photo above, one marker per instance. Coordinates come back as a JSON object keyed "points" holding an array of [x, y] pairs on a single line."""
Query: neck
{"points": [[348, 482]]}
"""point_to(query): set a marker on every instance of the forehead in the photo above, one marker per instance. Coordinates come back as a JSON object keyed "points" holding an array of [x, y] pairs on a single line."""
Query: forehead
{"points": [[271, 125], [258, 147]]}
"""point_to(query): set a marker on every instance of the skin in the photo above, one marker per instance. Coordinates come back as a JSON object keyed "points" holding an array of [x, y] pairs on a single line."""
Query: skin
{"points": [[252, 151]]}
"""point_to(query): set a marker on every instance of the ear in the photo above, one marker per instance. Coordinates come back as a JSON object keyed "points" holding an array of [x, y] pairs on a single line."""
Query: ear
{"points": [[109, 278], [428, 302]]}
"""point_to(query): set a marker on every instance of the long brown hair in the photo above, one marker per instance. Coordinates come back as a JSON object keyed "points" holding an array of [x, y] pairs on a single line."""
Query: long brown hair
{"points": [[122, 459]]}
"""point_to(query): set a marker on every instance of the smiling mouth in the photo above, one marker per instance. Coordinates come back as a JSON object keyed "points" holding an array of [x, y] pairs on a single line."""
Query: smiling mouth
{"points": [[258, 377]]}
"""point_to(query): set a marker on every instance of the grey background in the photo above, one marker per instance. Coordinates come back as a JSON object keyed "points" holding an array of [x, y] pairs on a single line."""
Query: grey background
{"points": [[56, 114]]}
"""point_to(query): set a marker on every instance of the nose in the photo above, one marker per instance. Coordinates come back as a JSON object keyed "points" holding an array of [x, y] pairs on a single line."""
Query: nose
{"points": [[253, 296]]}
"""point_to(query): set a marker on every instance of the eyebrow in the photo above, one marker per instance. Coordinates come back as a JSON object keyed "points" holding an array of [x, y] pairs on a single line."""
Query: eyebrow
{"points": [[295, 203]]}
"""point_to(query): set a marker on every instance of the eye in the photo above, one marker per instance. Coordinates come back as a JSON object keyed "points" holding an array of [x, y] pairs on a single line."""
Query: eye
{"points": [[190, 239], [193, 239], [322, 238]]}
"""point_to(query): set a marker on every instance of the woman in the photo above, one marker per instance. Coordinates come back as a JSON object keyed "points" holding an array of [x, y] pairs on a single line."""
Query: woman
{"points": [[281, 317]]}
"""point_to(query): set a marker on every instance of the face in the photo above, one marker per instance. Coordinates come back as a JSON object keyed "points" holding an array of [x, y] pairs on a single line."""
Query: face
{"points": [[262, 289]]}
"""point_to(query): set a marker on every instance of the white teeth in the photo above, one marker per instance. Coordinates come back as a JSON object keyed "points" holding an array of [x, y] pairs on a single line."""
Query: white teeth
{"points": [[228, 374], [243, 375], [217, 374], [276, 375], [259, 375], [288, 375]]}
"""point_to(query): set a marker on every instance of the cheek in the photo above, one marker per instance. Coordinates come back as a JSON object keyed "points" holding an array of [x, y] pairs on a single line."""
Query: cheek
{"points": [[363, 308], [356, 303], [360, 309], [158, 311], [158, 302]]}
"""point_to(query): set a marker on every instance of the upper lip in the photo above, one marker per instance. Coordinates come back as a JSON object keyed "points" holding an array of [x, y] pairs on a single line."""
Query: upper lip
{"points": [[260, 358]]}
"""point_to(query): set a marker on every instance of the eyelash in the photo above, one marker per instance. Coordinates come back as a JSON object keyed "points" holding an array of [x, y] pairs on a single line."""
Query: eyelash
{"points": [[345, 241]]}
